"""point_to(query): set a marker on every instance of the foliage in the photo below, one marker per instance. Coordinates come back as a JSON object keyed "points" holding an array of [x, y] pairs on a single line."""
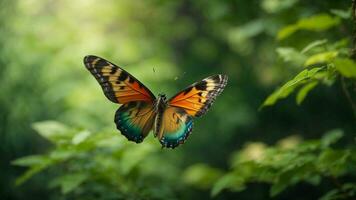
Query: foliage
{"points": [[98, 164], [293, 161], [325, 61], [290, 162]]}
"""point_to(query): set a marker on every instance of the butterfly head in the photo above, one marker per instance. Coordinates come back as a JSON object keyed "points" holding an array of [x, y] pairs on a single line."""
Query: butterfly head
{"points": [[162, 97], [161, 102]]}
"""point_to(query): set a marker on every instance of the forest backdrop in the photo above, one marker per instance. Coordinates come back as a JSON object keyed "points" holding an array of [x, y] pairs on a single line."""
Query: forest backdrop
{"points": [[284, 128]]}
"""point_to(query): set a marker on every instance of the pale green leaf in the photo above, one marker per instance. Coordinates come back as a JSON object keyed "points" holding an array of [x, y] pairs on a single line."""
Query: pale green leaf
{"points": [[313, 45], [80, 137], [324, 57], [32, 171], [346, 67], [30, 160], [344, 14], [286, 31], [51, 130], [60, 154], [201, 175], [289, 54], [69, 182], [303, 92], [228, 181], [239, 37], [318, 22], [331, 137], [133, 157], [273, 6]]}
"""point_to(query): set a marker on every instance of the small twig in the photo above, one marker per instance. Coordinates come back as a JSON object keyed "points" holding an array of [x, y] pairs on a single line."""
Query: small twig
{"points": [[343, 193], [348, 95], [353, 56], [336, 182]]}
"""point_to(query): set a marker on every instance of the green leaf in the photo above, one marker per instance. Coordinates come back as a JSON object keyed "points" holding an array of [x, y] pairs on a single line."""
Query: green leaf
{"points": [[313, 45], [62, 154], [303, 92], [80, 137], [239, 37], [325, 57], [32, 171], [331, 137], [277, 188], [131, 158], [289, 54], [290, 86], [69, 182], [51, 130], [286, 31], [333, 162], [318, 22], [346, 67], [30, 160], [274, 6], [231, 181], [344, 14], [201, 175], [347, 191]]}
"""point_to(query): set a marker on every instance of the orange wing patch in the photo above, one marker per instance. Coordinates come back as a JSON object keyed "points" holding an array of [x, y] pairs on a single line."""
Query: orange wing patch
{"points": [[197, 98], [118, 85]]}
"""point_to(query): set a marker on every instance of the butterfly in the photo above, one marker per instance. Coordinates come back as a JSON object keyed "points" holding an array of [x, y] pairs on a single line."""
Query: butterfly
{"points": [[170, 119]]}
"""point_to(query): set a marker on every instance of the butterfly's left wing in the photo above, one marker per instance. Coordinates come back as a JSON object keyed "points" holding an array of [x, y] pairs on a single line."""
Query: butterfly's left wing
{"points": [[198, 97], [118, 85], [135, 117]]}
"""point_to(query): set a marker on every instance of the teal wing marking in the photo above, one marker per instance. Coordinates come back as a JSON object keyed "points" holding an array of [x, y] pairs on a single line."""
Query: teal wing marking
{"points": [[176, 127], [135, 120]]}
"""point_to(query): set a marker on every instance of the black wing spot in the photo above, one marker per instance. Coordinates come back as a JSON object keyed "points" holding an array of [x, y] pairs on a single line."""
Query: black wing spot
{"points": [[201, 85], [122, 87], [113, 70], [101, 63], [123, 76]]}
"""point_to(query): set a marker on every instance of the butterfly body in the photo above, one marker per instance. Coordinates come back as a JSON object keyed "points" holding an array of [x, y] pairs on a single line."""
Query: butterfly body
{"points": [[160, 106], [170, 119]]}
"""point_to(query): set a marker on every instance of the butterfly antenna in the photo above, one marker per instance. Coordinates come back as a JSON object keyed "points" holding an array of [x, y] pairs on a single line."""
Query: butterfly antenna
{"points": [[177, 77], [156, 76]]}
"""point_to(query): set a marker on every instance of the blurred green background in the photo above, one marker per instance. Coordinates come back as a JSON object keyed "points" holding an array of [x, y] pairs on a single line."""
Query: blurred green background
{"points": [[58, 139]]}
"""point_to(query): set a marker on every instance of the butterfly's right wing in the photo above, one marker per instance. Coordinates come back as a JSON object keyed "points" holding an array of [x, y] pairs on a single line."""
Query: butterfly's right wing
{"points": [[197, 98], [135, 120], [175, 127]]}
